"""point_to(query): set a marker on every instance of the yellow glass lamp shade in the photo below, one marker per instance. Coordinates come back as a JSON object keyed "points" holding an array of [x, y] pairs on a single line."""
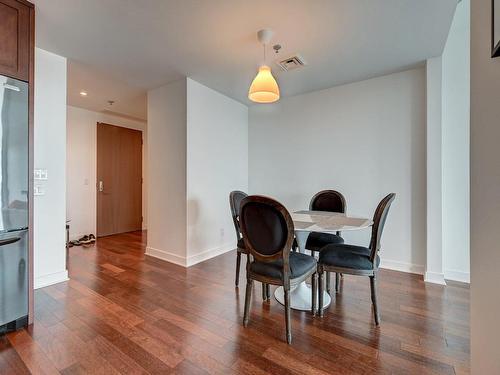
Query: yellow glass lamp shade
{"points": [[264, 88]]}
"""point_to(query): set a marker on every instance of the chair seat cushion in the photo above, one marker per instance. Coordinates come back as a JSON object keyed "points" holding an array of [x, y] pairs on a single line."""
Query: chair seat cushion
{"points": [[317, 240], [347, 256], [300, 264]]}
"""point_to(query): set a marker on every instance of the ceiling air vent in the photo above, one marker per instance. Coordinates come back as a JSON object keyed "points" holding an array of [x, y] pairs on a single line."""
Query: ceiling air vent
{"points": [[291, 62]]}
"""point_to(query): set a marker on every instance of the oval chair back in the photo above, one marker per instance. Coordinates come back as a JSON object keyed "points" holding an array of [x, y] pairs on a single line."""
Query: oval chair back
{"points": [[267, 229], [235, 198], [268, 232], [328, 200], [379, 219]]}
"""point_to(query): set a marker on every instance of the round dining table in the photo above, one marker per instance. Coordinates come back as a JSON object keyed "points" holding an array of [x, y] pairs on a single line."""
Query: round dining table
{"points": [[306, 222]]}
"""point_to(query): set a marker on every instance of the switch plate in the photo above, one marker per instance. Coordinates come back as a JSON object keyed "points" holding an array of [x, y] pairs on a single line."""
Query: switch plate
{"points": [[41, 174]]}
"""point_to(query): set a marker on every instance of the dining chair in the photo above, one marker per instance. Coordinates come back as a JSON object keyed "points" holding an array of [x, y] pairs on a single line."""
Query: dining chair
{"points": [[268, 233], [357, 260], [332, 201], [235, 198]]}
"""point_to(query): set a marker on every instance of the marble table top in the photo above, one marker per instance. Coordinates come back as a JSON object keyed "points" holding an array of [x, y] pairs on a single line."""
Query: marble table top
{"points": [[322, 221]]}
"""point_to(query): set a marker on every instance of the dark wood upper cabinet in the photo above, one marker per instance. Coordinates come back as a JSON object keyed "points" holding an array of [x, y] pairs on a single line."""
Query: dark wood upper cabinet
{"points": [[15, 38]]}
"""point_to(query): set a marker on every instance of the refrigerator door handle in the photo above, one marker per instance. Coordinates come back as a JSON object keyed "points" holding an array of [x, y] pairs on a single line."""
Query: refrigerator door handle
{"points": [[9, 241], [11, 87]]}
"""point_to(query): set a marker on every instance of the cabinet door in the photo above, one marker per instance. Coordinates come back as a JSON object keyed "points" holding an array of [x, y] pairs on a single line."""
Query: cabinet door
{"points": [[14, 39]]}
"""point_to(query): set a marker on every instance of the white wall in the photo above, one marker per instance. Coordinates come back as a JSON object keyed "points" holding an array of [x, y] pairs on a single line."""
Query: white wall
{"points": [[365, 139], [455, 146], [485, 194], [217, 163], [167, 172], [434, 260], [50, 153], [82, 167]]}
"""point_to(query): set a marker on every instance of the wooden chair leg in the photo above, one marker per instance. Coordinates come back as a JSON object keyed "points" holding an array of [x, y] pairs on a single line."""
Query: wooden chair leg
{"points": [[287, 317], [268, 292], [373, 287], [314, 292], [337, 282], [248, 295], [327, 275], [238, 262], [264, 292], [320, 292]]}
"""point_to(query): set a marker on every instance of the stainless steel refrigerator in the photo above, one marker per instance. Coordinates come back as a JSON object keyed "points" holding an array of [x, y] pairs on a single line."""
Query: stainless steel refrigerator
{"points": [[14, 176]]}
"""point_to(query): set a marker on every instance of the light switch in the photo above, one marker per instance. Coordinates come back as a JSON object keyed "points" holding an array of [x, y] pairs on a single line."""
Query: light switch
{"points": [[41, 174]]}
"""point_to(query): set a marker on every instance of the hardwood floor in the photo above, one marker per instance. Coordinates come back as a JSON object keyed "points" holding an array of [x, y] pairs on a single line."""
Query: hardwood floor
{"points": [[122, 313]]}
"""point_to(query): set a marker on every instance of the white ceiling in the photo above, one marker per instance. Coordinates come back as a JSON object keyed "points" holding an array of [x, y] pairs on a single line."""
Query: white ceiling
{"points": [[136, 45], [100, 88]]}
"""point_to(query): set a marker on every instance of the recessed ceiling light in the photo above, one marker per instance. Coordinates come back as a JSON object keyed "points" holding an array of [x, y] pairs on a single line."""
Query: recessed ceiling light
{"points": [[83, 93]]}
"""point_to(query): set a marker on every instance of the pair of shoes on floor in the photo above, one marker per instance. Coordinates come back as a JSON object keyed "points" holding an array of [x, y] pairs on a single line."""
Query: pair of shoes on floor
{"points": [[85, 240]]}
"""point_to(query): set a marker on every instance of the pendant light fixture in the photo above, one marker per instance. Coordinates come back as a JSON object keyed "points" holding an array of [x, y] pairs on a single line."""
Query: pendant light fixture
{"points": [[264, 88]]}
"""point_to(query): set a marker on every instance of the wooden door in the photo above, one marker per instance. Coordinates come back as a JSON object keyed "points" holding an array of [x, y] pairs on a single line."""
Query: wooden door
{"points": [[119, 180], [15, 25]]}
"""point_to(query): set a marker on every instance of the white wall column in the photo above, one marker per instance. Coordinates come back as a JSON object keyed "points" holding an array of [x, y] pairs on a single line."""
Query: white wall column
{"points": [[167, 172], [455, 146], [50, 153], [197, 154], [434, 271]]}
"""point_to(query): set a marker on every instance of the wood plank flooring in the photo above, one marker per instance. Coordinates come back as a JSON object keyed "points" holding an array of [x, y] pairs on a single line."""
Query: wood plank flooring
{"points": [[124, 313]]}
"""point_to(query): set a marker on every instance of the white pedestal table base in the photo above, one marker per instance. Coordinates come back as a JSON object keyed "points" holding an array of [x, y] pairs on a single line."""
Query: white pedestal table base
{"points": [[300, 297]]}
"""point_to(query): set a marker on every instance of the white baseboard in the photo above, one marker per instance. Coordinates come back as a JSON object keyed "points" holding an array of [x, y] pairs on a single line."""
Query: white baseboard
{"points": [[463, 277], [51, 279], [402, 266], [190, 260], [209, 254], [434, 278], [165, 255]]}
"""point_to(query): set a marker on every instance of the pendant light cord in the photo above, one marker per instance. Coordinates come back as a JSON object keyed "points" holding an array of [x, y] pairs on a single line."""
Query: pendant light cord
{"points": [[264, 45]]}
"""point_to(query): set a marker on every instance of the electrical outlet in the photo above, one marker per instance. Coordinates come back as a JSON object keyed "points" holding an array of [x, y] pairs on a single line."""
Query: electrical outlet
{"points": [[38, 190]]}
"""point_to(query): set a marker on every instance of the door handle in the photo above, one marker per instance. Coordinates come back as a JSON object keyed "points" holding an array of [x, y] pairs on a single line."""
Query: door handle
{"points": [[101, 186], [9, 241]]}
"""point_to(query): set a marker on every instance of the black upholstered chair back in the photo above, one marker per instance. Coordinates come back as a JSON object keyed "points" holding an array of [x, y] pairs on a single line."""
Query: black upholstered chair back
{"points": [[328, 200], [235, 198], [379, 219], [267, 228]]}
